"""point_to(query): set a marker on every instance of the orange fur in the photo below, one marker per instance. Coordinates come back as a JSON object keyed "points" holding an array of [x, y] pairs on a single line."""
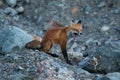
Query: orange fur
{"points": [[37, 38]]}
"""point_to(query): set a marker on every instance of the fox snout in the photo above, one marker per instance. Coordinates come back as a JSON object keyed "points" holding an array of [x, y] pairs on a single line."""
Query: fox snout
{"points": [[77, 33]]}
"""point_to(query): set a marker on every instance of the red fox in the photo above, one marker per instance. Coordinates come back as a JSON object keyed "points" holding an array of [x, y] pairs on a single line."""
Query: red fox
{"points": [[56, 35]]}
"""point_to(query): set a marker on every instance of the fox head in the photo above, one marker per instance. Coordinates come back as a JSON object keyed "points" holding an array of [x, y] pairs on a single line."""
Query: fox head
{"points": [[76, 27]]}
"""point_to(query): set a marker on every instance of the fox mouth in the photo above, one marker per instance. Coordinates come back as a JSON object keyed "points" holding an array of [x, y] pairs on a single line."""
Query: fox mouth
{"points": [[76, 34]]}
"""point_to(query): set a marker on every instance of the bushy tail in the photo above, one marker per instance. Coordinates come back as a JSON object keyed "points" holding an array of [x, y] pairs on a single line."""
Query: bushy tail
{"points": [[34, 45]]}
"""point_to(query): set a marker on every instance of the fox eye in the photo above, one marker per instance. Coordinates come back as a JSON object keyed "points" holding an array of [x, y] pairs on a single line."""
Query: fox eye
{"points": [[79, 22]]}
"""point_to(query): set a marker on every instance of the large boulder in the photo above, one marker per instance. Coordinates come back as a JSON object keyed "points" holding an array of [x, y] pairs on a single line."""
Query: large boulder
{"points": [[104, 59], [114, 76], [51, 70], [109, 76], [13, 38]]}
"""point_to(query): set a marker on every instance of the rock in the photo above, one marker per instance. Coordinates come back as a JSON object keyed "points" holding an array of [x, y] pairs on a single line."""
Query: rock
{"points": [[74, 45], [16, 18], [12, 56], [84, 48], [115, 44], [74, 50], [39, 19], [116, 11], [114, 76], [27, 1], [118, 30], [20, 9], [75, 54], [102, 78], [13, 38], [105, 28], [11, 3], [88, 9], [50, 70], [82, 74], [101, 4], [10, 11], [40, 33], [1, 2], [89, 41], [17, 76], [103, 60]]}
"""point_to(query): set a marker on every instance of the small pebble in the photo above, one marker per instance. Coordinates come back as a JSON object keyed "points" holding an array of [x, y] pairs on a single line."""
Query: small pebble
{"points": [[105, 28], [102, 4], [20, 9]]}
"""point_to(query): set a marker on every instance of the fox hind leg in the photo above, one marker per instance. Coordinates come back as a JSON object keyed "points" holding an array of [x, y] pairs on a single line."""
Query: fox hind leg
{"points": [[48, 45]]}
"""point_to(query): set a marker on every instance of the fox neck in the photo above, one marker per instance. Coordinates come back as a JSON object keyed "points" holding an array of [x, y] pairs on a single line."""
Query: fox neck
{"points": [[68, 28]]}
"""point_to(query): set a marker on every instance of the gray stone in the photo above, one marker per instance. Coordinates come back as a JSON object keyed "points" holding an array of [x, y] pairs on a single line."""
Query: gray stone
{"points": [[13, 38], [103, 60], [105, 28], [20, 9], [116, 11], [39, 19], [11, 3], [101, 4], [102, 78], [16, 18], [1, 2], [53, 71], [40, 33], [84, 48], [12, 56], [89, 41], [17, 76], [27, 1], [114, 76], [88, 9], [84, 75], [10, 11]]}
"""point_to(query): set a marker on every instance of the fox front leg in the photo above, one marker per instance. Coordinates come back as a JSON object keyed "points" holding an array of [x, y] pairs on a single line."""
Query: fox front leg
{"points": [[64, 51]]}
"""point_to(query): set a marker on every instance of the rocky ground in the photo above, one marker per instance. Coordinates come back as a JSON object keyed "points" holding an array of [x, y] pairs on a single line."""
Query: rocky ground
{"points": [[95, 54]]}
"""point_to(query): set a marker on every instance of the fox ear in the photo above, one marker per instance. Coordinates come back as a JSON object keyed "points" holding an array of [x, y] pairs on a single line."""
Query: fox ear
{"points": [[72, 21], [79, 22]]}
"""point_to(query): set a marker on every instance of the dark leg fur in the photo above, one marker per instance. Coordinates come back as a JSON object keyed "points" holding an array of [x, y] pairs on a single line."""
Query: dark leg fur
{"points": [[63, 47], [64, 52], [53, 55]]}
